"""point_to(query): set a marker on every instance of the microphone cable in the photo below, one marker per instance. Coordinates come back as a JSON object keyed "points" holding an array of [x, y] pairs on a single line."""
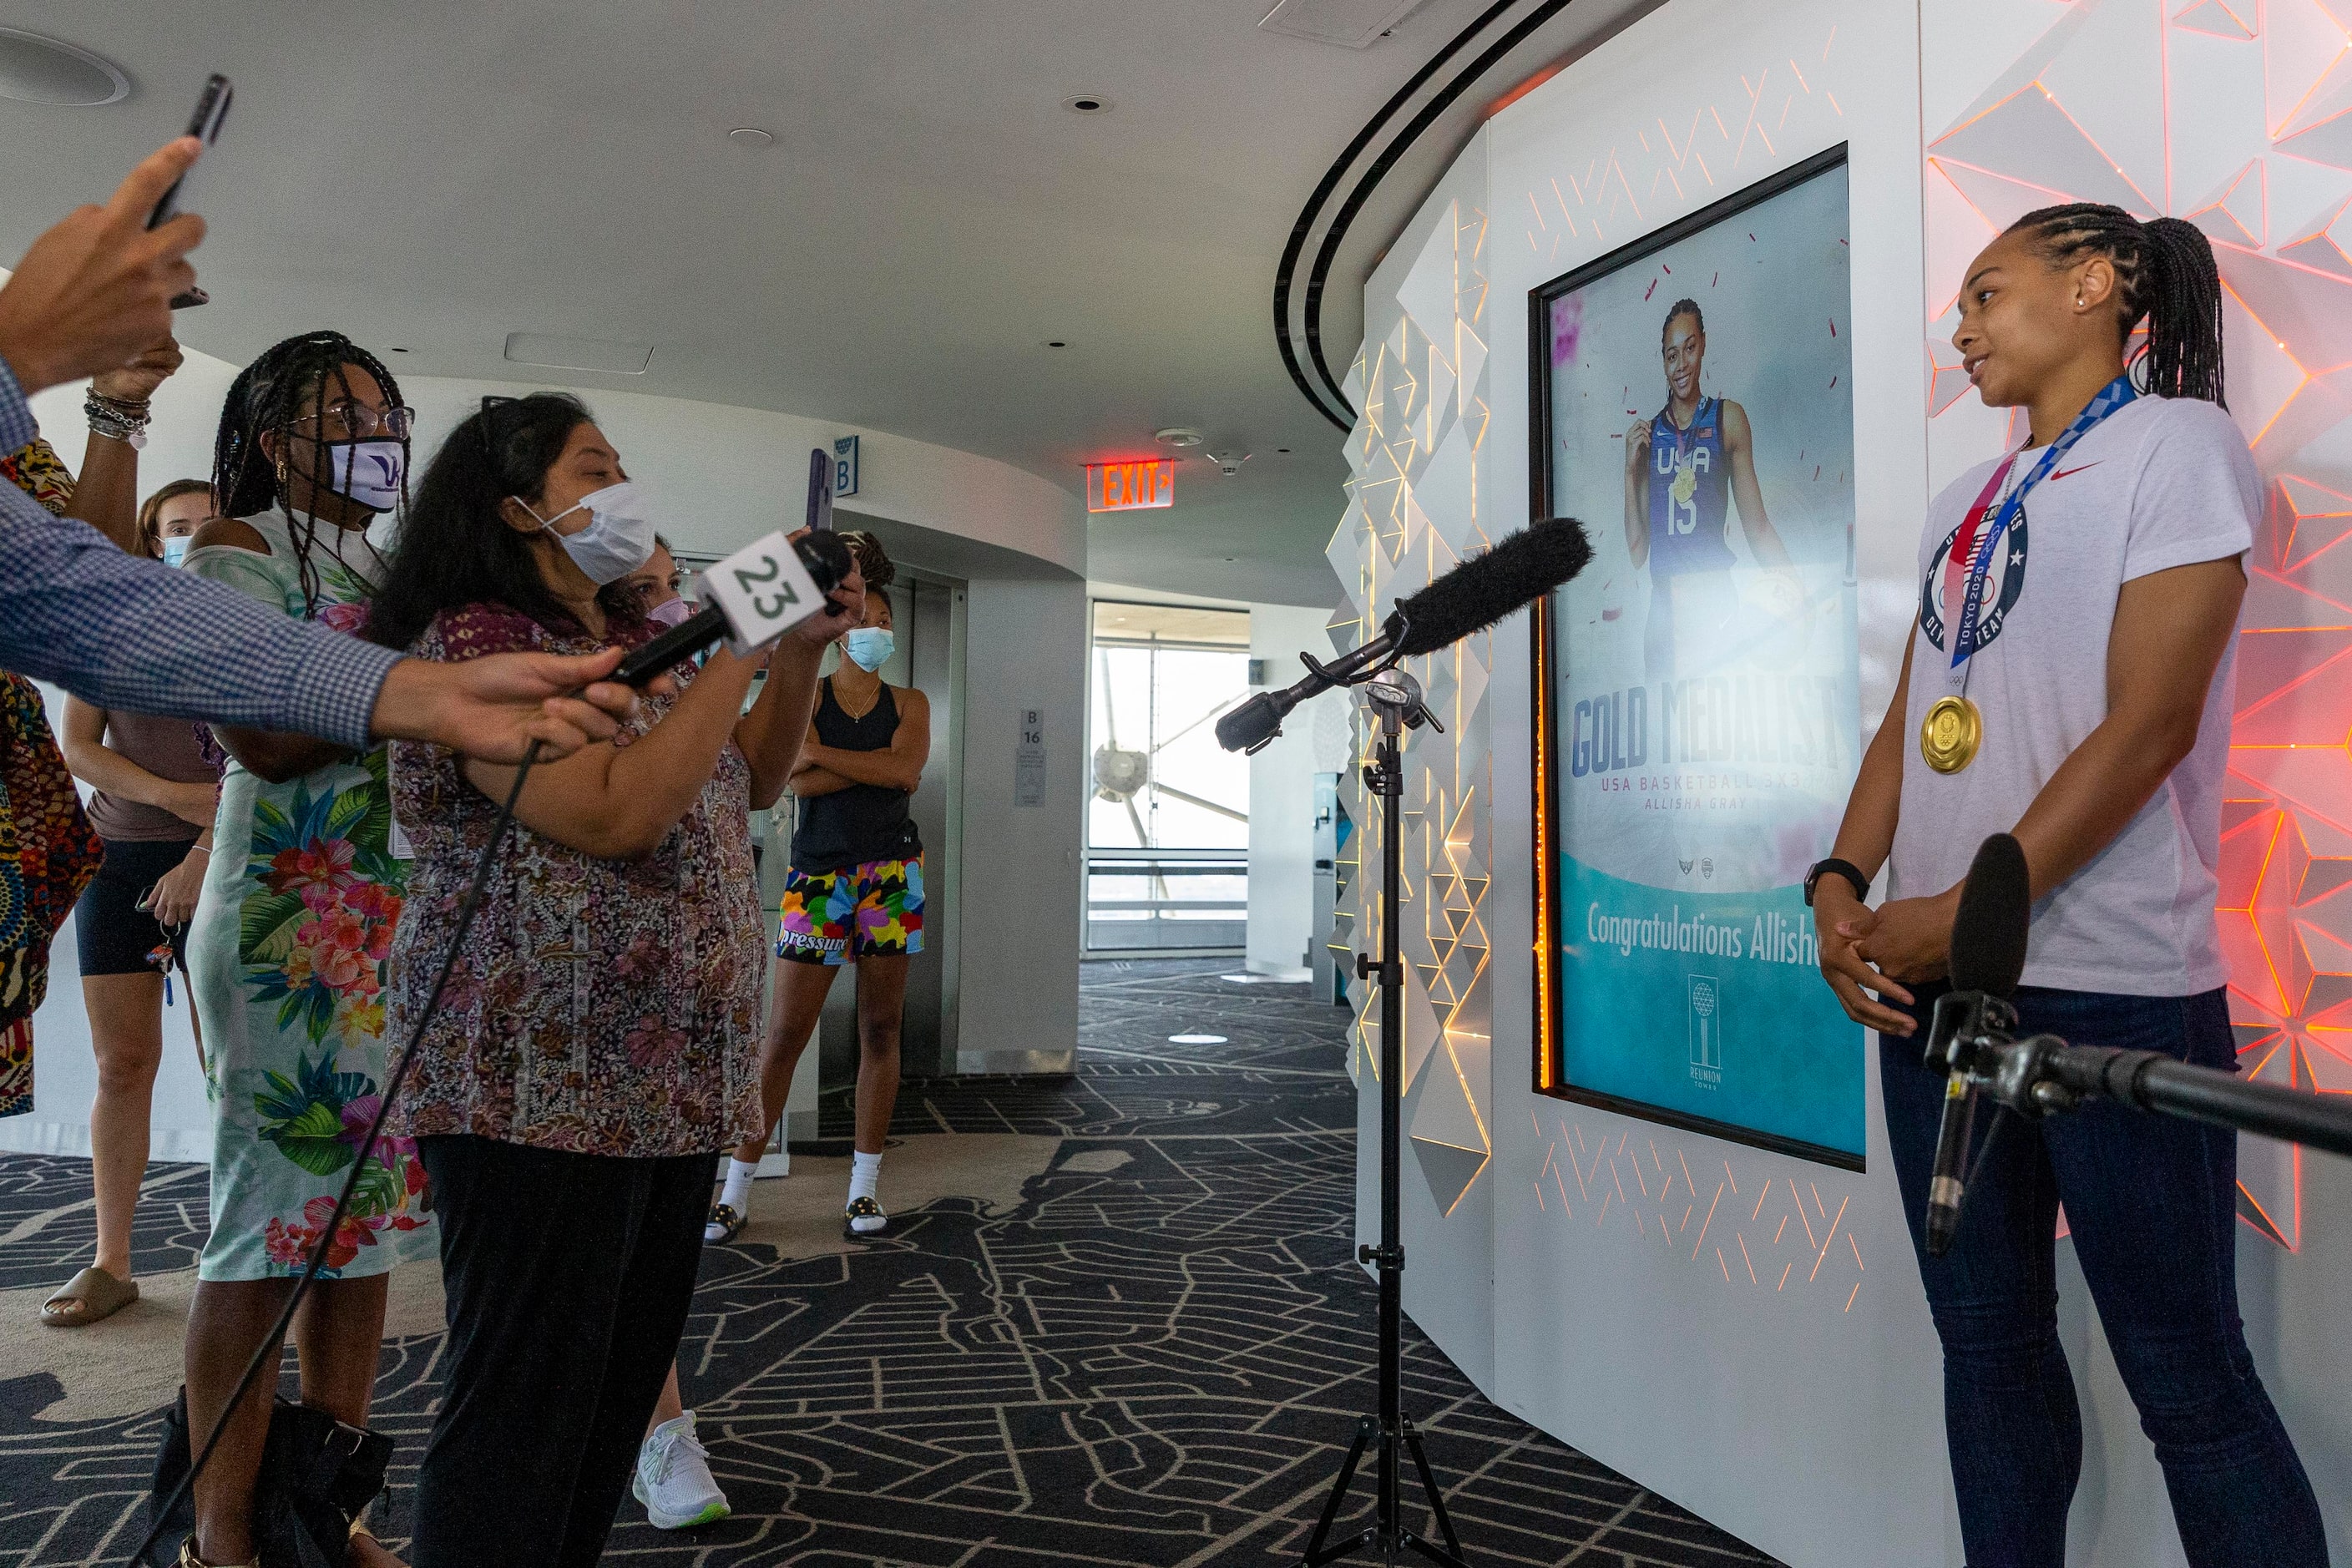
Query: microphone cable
{"points": [[272, 1347]]}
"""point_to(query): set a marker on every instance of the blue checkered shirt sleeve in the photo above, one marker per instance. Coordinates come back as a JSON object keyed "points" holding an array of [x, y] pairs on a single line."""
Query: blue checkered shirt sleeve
{"points": [[126, 632]]}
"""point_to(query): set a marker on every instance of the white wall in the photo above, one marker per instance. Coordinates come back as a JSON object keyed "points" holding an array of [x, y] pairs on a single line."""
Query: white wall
{"points": [[1282, 798], [724, 475], [1026, 648], [1804, 1419]]}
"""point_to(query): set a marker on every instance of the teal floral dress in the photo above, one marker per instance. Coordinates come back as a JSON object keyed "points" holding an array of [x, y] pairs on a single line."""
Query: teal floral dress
{"points": [[285, 961]]}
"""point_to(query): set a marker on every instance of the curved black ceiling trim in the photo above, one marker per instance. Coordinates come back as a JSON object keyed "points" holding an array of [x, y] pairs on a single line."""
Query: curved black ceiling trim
{"points": [[1340, 222], [1329, 183]]}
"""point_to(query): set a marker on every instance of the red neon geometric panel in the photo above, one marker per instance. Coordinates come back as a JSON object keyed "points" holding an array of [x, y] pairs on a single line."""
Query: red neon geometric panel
{"points": [[2231, 114]]}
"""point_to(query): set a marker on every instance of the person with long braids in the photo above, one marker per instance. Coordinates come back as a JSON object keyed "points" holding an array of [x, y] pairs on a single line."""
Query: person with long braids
{"points": [[287, 950], [597, 1043], [2070, 683]]}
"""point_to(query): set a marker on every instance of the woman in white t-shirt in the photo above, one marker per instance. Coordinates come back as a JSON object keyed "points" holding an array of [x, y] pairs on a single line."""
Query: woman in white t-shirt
{"points": [[2068, 679]]}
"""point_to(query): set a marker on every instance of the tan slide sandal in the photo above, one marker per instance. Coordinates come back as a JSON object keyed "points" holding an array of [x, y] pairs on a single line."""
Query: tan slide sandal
{"points": [[90, 1295]]}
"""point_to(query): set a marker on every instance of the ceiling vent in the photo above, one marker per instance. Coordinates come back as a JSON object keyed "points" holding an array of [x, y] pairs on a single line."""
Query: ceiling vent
{"points": [[1351, 24], [35, 70], [555, 353]]}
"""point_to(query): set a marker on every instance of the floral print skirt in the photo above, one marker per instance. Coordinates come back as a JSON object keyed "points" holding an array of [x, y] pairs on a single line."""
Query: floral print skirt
{"points": [[286, 959]]}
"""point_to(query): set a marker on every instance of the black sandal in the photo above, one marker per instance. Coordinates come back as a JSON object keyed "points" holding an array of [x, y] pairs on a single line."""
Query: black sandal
{"points": [[729, 1222], [863, 1209]]}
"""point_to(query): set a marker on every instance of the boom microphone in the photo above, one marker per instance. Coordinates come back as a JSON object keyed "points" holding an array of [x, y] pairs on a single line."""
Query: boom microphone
{"points": [[1987, 956], [1476, 593], [750, 599]]}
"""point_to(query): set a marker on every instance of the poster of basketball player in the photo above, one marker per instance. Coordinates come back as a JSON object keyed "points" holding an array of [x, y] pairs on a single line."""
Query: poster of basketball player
{"points": [[1701, 712]]}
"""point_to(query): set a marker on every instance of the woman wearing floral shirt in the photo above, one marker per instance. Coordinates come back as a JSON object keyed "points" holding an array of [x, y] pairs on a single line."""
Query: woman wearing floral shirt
{"points": [[596, 1044]]}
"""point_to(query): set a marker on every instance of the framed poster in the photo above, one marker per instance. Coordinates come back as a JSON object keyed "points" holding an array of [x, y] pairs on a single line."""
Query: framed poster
{"points": [[1696, 702]]}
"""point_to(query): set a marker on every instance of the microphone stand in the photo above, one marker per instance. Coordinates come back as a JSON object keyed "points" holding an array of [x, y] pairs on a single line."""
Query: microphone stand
{"points": [[1396, 698], [2042, 1075]]}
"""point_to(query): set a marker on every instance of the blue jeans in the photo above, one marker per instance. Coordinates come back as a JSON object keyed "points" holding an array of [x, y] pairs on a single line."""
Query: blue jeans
{"points": [[2152, 1205]]}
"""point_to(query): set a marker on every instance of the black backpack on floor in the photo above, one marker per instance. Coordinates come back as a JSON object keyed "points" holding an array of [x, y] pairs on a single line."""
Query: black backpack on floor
{"points": [[316, 1476]]}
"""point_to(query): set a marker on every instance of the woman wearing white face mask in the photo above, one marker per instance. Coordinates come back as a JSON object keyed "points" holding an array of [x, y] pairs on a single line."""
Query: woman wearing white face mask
{"points": [[596, 1047], [285, 950], [854, 896]]}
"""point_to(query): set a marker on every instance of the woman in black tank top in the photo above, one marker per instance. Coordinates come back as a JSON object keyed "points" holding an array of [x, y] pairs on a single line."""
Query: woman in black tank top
{"points": [[855, 895]]}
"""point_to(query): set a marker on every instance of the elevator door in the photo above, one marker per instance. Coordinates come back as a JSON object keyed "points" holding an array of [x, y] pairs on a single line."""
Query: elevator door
{"points": [[929, 614]]}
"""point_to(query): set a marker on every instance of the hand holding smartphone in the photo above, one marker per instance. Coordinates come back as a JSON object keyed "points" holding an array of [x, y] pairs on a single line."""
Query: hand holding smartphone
{"points": [[204, 125]]}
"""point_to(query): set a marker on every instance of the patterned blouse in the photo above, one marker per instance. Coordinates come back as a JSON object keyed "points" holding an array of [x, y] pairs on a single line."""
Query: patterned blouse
{"points": [[599, 1006]]}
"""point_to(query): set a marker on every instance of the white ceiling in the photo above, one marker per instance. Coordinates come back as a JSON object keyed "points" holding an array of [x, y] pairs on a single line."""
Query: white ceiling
{"points": [[435, 175]]}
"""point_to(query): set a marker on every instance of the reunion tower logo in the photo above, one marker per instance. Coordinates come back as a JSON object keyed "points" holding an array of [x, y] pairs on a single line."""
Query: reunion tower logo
{"points": [[1944, 594]]}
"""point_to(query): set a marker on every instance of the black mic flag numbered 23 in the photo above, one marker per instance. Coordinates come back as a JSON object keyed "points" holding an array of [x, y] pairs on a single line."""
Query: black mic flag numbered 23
{"points": [[1987, 956], [1476, 593]]}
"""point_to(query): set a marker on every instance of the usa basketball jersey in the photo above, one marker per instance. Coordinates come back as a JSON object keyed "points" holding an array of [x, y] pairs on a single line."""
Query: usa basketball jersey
{"points": [[1689, 480], [1690, 560]]}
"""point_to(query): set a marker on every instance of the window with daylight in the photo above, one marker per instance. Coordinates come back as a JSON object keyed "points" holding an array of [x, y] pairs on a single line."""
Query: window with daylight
{"points": [[1168, 811]]}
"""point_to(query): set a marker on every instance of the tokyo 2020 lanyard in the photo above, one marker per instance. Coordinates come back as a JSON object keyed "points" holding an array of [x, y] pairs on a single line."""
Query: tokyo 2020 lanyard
{"points": [[2111, 398]]}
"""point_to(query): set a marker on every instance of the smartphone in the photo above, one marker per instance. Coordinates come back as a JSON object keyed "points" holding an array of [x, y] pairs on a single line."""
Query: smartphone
{"points": [[820, 494], [204, 125]]}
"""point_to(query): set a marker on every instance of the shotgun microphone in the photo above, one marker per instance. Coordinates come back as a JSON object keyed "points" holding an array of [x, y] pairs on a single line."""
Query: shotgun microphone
{"points": [[1476, 593], [1988, 937]]}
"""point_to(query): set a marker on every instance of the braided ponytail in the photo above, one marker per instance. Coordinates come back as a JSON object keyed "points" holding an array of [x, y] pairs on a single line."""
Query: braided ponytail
{"points": [[2164, 271]]}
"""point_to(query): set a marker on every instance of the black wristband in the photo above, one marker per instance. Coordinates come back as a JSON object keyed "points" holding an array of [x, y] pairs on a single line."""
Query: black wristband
{"points": [[1837, 868]]}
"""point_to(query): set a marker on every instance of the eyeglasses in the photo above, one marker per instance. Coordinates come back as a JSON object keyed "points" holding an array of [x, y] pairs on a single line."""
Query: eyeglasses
{"points": [[358, 422]]}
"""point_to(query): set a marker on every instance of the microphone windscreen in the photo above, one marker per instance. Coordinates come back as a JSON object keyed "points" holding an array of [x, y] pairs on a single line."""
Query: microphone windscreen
{"points": [[1484, 588], [1996, 909]]}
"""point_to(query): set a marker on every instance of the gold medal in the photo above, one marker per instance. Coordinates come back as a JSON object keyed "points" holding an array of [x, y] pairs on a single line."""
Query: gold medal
{"points": [[1950, 735]]}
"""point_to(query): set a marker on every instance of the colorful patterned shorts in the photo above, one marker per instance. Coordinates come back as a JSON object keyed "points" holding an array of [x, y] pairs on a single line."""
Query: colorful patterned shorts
{"points": [[867, 910]]}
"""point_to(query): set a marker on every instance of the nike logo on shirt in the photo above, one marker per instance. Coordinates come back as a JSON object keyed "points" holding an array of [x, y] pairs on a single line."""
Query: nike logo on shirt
{"points": [[2056, 474]]}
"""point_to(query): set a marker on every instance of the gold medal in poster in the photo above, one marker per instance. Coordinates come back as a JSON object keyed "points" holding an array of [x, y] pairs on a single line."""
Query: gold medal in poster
{"points": [[1950, 735]]}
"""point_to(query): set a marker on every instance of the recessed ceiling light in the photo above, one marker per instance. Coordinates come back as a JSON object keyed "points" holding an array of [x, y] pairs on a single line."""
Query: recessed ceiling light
{"points": [[38, 70], [1088, 103], [1177, 435], [751, 136], [1285, 451], [1057, 343]]}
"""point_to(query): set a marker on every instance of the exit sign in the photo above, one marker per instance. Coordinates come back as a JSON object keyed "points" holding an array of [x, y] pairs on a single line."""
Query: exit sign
{"points": [[1131, 486]]}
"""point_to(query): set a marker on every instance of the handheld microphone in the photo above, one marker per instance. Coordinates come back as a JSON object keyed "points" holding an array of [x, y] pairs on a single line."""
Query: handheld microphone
{"points": [[750, 599], [1476, 593], [1989, 939]]}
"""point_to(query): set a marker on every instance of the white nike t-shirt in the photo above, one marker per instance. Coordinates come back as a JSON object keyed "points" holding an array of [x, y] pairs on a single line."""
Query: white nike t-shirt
{"points": [[2162, 482]]}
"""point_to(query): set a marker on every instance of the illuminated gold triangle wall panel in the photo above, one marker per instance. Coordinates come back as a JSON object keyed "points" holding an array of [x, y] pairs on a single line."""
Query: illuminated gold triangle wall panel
{"points": [[1414, 508]]}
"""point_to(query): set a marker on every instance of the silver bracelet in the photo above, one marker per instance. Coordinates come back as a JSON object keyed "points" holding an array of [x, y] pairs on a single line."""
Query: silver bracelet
{"points": [[116, 418]]}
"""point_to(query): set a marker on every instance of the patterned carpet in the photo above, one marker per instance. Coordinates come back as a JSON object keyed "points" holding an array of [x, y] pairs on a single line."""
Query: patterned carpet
{"points": [[1148, 1348]]}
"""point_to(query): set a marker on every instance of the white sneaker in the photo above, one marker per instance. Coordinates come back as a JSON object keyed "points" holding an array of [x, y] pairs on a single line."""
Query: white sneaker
{"points": [[673, 1478]]}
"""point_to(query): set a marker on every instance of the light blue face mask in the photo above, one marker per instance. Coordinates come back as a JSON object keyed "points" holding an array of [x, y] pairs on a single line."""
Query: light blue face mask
{"points": [[175, 550], [869, 647]]}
